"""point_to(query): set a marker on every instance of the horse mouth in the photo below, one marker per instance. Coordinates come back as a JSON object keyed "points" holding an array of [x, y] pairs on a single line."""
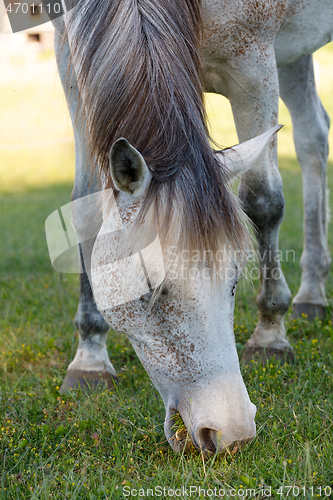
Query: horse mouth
{"points": [[205, 439], [181, 442], [178, 435]]}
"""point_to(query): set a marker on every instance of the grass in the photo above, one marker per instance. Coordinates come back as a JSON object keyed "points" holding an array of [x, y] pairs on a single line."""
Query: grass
{"points": [[98, 446]]}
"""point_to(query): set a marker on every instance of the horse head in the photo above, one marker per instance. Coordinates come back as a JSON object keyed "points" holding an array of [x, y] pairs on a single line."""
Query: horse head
{"points": [[177, 315]]}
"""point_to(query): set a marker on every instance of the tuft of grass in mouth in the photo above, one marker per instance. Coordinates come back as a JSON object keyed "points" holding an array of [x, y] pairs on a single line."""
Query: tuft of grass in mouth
{"points": [[181, 436], [178, 423]]}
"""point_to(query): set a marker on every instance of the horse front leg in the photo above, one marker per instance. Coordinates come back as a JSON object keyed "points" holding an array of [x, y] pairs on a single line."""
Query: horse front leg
{"points": [[310, 128], [253, 91], [91, 364]]}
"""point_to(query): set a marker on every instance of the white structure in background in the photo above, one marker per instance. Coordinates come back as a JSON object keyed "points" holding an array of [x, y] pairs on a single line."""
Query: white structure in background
{"points": [[23, 47]]}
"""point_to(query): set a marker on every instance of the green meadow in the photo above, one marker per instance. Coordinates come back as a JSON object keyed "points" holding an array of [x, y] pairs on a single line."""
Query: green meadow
{"points": [[103, 445]]}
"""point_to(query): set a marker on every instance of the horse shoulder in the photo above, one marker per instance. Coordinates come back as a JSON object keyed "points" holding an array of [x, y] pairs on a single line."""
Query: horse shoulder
{"points": [[308, 25], [231, 28]]}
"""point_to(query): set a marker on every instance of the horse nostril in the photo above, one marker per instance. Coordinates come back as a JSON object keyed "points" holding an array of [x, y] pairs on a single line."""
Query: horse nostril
{"points": [[204, 439]]}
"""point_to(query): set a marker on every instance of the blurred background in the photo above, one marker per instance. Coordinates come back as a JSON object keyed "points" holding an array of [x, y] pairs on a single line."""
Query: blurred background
{"points": [[36, 145]]}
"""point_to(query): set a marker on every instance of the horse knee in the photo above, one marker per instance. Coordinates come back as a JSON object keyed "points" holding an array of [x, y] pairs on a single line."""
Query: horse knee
{"points": [[88, 319], [263, 204]]}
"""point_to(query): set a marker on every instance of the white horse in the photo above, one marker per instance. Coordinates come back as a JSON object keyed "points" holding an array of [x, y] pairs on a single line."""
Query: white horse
{"points": [[137, 69]]}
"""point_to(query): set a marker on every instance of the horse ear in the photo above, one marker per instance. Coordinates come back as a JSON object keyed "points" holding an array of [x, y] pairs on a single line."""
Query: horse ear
{"points": [[240, 158], [128, 169]]}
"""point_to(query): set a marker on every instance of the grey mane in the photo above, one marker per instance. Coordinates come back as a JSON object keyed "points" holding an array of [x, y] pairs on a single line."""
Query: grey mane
{"points": [[139, 70]]}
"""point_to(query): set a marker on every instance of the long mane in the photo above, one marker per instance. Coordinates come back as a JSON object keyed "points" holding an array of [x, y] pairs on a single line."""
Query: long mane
{"points": [[139, 70]]}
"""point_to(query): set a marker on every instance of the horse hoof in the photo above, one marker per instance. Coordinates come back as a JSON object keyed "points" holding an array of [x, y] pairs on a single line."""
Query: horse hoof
{"points": [[87, 381], [311, 310], [263, 355]]}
